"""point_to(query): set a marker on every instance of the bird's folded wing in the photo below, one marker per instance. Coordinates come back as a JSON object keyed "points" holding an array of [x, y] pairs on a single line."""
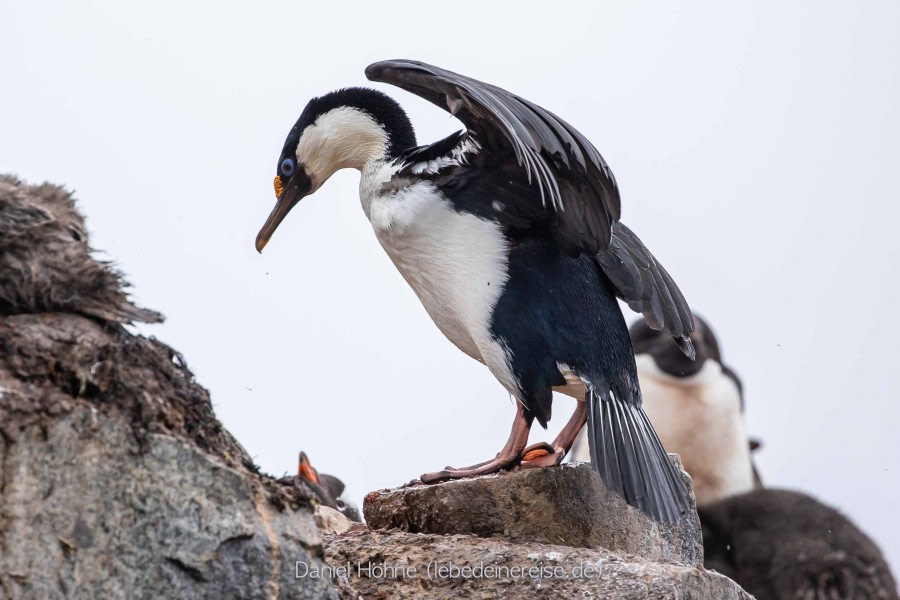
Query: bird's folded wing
{"points": [[570, 177], [645, 285]]}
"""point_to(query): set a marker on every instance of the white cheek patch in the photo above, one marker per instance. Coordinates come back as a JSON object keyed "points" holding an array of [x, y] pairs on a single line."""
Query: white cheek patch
{"points": [[342, 138]]}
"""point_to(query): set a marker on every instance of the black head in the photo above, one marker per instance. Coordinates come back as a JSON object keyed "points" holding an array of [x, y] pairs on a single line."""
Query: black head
{"points": [[666, 353], [349, 128], [383, 109]]}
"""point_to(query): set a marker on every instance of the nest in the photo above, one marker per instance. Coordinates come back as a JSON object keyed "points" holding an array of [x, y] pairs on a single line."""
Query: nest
{"points": [[47, 264]]}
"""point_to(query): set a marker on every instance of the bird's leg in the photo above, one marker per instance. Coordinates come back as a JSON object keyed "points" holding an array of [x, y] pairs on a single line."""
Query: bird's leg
{"points": [[538, 455], [508, 457]]}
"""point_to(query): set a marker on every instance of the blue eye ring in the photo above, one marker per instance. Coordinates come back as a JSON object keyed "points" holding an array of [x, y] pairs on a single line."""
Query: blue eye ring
{"points": [[287, 167]]}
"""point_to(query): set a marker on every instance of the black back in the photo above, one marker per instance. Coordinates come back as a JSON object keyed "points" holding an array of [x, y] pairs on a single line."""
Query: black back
{"points": [[570, 177]]}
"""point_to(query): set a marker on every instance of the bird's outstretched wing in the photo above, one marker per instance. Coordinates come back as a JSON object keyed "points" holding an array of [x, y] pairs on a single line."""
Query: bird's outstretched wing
{"points": [[646, 287], [571, 180], [529, 169]]}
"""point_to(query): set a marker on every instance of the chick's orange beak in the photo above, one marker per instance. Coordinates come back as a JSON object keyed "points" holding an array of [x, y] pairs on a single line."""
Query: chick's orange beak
{"points": [[306, 470]]}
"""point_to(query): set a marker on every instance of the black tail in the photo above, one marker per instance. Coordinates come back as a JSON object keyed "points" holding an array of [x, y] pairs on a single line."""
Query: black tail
{"points": [[627, 453]]}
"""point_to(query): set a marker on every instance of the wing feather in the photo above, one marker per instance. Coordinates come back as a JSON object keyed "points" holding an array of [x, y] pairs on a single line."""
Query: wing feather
{"points": [[646, 286], [570, 175], [544, 174]]}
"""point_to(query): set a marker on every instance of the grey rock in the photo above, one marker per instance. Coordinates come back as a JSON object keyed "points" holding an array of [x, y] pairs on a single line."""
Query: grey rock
{"points": [[329, 520], [117, 481], [400, 566], [116, 478], [567, 505], [87, 513]]}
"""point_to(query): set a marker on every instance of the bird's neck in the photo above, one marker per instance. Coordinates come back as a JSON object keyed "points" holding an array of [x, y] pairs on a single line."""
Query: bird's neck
{"points": [[372, 177], [346, 138], [380, 167], [354, 138]]}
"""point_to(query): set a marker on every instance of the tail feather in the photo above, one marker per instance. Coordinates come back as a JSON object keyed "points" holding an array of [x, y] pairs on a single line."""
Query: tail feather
{"points": [[637, 455], [627, 453], [632, 479]]}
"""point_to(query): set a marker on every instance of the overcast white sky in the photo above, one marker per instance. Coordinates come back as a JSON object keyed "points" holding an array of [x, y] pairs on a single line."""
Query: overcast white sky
{"points": [[756, 145]]}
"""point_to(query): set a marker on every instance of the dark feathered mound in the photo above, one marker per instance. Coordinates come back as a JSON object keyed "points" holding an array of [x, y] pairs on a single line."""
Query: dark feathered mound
{"points": [[46, 264], [784, 545]]}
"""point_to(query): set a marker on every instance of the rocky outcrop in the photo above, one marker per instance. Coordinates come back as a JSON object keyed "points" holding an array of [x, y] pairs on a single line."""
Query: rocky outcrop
{"points": [[117, 480], [534, 533], [568, 506], [380, 565]]}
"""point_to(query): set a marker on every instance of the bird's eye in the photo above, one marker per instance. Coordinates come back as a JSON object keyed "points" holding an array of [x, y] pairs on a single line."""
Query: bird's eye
{"points": [[75, 233], [287, 167]]}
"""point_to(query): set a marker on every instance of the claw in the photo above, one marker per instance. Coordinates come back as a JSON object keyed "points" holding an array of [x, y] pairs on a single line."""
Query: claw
{"points": [[438, 476]]}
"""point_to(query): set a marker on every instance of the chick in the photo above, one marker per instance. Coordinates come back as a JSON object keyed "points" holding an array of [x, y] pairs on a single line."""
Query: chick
{"points": [[46, 263]]}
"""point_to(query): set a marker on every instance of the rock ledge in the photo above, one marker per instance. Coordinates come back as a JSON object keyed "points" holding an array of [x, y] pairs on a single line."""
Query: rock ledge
{"points": [[568, 506], [379, 565]]}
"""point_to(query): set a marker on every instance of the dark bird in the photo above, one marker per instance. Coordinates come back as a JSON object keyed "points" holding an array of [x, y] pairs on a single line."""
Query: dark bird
{"points": [[46, 264], [696, 407], [781, 545], [328, 489], [509, 233]]}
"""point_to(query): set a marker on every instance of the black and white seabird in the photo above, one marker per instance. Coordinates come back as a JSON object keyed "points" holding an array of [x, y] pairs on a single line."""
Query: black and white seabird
{"points": [[509, 233], [696, 407]]}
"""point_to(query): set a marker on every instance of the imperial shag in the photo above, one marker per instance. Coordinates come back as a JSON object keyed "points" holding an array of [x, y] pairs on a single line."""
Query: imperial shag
{"points": [[509, 233]]}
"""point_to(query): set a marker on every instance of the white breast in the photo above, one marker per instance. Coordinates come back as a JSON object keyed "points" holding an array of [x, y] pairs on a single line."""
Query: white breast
{"points": [[455, 262]]}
